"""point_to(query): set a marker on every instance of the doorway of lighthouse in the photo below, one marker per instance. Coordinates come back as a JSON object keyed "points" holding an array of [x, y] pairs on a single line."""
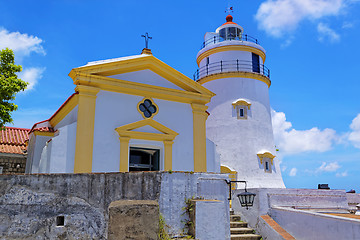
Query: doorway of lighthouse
{"points": [[144, 159]]}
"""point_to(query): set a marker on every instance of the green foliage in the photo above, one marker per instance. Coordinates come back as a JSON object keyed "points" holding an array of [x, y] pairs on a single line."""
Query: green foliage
{"points": [[188, 210], [10, 85], [163, 234]]}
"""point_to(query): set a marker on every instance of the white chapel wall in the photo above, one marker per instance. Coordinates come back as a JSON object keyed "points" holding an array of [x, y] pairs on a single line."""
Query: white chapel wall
{"points": [[115, 109], [63, 150]]}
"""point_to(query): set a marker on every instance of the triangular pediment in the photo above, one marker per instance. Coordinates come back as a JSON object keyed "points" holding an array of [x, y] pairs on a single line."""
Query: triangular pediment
{"points": [[113, 69], [142, 130]]}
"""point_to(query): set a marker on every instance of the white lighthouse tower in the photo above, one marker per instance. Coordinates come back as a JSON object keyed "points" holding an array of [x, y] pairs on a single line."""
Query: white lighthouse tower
{"points": [[231, 64]]}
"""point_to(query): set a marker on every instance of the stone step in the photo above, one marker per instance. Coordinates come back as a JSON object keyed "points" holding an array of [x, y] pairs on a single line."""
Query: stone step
{"points": [[235, 218], [238, 224], [245, 237], [232, 212], [241, 230]]}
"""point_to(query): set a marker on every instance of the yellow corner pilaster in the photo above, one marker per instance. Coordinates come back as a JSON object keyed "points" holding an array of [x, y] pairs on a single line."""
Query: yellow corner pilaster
{"points": [[168, 155], [124, 154], [85, 129], [199, 125]]}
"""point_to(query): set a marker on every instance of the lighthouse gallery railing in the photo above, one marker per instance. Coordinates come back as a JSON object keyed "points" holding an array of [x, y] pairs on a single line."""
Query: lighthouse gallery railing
{"points": [[231, 66], [217, 39]]}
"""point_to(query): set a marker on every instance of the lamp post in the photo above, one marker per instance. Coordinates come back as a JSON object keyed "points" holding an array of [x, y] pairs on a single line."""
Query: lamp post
{"points": [[246, 198]]}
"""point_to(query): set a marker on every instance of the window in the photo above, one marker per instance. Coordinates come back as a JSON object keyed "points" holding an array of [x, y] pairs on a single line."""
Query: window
{"points": [[267, 165], [1, 169], [144, 159], [147, 108], [60, 221], [207, 61], [241, 112], [255, 63], [266, 159], [230, 33], [241, 107]]}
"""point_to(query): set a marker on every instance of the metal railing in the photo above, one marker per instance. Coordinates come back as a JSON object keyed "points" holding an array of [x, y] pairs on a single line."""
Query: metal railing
{"points": [[217, 39], [231, 66]]}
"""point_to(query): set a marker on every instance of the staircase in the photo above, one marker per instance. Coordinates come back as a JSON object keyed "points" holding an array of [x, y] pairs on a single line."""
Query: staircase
{"points": [[239, 229]]}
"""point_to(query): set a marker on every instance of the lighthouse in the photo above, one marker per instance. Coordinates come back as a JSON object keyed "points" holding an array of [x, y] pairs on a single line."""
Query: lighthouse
{"points": [[231, 64]]}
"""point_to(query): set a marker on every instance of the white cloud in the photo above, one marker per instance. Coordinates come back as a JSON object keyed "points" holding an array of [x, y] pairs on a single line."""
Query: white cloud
{"points": [[343, 174], [32, 76], [293, 172], [331, 167], [21, 43], [354, 135], [347, 25], [325, 32], [291, 141], [279, 16]]}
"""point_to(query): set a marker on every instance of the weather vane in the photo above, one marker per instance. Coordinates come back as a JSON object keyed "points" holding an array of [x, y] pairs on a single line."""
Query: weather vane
{"points": [[146, 36], [229, 10]]}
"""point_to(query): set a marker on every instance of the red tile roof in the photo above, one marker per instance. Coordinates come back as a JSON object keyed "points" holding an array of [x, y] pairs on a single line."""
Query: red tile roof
{"points": [[12, 140], [50, 129]]}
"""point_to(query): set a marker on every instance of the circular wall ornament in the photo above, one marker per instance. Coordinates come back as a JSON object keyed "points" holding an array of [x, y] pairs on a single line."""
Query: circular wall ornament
{"points": [[147, 108]]}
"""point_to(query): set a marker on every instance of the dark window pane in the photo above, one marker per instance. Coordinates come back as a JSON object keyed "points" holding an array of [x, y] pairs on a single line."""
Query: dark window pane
{"points": [[147, 103], [142, 107], [222, 33], [255, 63], [152, 109], [231, 33], [241, 112], [147, 114]]}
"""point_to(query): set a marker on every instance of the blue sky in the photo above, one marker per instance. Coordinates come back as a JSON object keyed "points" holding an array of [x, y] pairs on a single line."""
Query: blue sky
{"points": [[312, 51]]}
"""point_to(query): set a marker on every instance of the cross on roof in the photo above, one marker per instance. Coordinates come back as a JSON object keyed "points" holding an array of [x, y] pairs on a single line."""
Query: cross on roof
{"points": [[146, 36]]}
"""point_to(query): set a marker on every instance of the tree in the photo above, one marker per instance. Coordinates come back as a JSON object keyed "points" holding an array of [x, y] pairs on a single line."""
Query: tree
{"points": [[10, 85]]}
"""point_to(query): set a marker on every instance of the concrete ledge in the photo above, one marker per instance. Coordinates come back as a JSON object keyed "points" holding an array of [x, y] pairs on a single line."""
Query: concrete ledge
{"points": [[272, 230], [310, 225]]}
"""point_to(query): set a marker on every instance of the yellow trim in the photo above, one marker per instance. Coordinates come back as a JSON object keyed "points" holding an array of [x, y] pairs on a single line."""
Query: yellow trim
{"points": [[251, 75], [40, 133], [124, 154], [140, 89], [266, 155], [128, 132], [141, 63], [168, 155], [199, 132], [241, 102], [85, 129], [231, 48], [65, 110], [232, 175], [153, 102]]}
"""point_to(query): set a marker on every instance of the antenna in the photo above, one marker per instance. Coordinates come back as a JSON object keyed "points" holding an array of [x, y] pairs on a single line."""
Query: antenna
{"points": [[146, 36]]}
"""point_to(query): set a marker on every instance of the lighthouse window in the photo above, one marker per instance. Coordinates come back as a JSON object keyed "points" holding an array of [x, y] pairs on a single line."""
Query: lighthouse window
{"points": [[267, 165], [231, 33], [255, 63], [223, 33], [241, 112]]}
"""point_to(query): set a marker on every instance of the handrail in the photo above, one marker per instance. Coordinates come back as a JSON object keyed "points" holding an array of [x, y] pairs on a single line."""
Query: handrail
{"points": [[231, 66], [217, 39]]}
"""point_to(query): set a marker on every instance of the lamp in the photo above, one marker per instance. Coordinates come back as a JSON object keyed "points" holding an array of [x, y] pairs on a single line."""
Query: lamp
{"points": [[246, 198]]}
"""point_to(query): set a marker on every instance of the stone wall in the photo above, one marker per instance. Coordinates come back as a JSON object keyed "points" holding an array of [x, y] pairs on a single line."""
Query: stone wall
{"points": [[13, 163], [31, 204]]}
